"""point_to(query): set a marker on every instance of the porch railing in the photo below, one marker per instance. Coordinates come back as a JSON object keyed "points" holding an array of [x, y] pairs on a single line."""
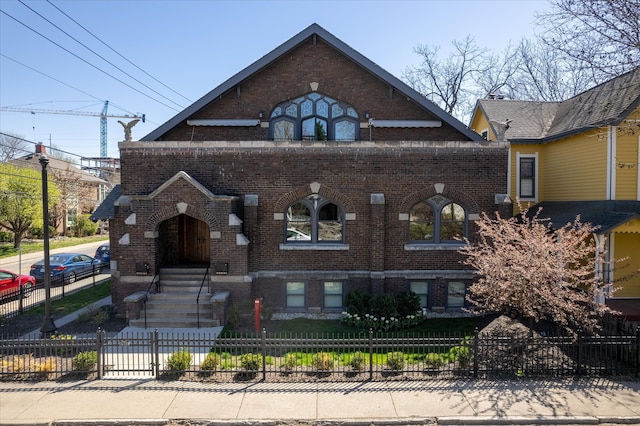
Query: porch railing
{"points": [[204, 278], [156, 280]]}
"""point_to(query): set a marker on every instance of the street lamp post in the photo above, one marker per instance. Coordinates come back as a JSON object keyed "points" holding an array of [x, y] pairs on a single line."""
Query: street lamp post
{"points": [[48, 326]]}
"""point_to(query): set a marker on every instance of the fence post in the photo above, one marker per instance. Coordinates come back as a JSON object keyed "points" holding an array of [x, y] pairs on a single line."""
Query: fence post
{"points": [[264, 356], [155, 346], [476, 345], [370, 354], [579, 353], [99, 352], [20, 297], [638, 351]]}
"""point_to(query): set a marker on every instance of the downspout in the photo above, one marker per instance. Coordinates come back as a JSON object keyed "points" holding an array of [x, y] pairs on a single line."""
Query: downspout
{"points": [[611, 163]]}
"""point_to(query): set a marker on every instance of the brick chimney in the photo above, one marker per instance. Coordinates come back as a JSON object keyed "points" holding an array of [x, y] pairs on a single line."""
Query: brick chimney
{"points": [[41, 149]]}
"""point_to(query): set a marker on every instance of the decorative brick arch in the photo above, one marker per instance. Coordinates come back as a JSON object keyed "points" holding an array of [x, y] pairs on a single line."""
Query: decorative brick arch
{"points": [[468, 202], [328, 193], [154, 221]]}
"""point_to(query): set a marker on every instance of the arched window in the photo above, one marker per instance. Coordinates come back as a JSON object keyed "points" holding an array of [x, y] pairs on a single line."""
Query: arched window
{"points": [[314, 117], [437, 220], [314, 220]]}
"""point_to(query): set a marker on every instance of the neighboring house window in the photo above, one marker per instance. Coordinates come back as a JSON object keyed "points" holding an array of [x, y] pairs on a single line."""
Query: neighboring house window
{"points": [[437, 220], [314, 117], [527, 176], [295, 294], [485, 134], [333, 294], [455, 294], [421, 289], [314, 220]]}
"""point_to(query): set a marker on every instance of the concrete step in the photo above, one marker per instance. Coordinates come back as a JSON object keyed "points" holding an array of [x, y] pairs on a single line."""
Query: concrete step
{"points": [[169, 287], [177, 314], [173, 323], [180, 297]]}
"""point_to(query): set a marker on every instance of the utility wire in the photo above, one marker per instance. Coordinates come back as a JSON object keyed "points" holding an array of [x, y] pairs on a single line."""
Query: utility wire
{"points": [[63, 83], [52, 78], [118, 53], [88, 63], [98, 55], [102, 169]]}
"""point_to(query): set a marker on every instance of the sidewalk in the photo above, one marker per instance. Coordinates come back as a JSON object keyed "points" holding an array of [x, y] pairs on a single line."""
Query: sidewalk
{"points": [[152, 402]]}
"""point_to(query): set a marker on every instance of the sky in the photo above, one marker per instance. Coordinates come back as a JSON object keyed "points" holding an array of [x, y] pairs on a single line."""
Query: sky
{"points": [[156, 57]]}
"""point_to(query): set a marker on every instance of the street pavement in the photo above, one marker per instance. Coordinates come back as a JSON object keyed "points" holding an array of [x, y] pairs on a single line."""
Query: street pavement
{"points": [[22, 263], [463, 402]]}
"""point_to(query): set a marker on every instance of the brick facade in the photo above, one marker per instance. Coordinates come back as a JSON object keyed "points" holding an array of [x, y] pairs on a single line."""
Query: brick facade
{"points": [[237, 185]]}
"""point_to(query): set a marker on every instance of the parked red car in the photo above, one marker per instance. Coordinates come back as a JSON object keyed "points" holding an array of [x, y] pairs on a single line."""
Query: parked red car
{"points": [[10, 281]]}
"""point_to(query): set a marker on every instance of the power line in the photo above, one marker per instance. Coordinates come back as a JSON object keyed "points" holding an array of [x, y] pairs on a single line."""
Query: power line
{"points": [[52, 78], [87, 62], [97, 54], [117, 53], [102, 170], [68, 85]]}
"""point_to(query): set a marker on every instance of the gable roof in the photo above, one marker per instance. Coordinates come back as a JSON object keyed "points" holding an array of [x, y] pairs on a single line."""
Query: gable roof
{"points": [[33, 161], [605, 214], [106, 209], [313, 30], [532, 121]]}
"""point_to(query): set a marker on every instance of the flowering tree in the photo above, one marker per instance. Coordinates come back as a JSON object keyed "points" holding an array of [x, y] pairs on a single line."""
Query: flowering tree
{"points": [[528, 270]]}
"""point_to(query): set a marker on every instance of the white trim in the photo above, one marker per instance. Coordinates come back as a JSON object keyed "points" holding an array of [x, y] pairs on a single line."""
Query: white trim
{"points": [[225, 122], [405, 123], [536, 190], [509, 156], [611, 162], [611, 255], [315, 247]]}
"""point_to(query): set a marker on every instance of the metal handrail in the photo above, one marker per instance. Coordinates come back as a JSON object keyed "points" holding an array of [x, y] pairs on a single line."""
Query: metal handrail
{"points": [[206, 273], [157, 275]]}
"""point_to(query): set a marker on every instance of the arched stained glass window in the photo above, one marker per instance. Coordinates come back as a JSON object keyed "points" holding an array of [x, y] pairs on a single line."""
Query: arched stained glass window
{"points": [[437, 220], [314, 220], [314, 117]]}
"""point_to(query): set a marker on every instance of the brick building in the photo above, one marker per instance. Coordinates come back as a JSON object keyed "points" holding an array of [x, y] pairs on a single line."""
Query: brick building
{"points": [[309, 174]]}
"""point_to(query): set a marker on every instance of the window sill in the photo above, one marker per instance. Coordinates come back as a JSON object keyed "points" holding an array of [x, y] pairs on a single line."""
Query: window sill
{"points": [[317, 247], [431, 247]]}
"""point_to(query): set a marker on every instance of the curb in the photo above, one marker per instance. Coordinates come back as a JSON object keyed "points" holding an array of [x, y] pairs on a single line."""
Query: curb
{"points": [[431, 421]]}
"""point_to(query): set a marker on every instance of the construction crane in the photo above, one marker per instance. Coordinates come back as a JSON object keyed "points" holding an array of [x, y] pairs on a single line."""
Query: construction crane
{"points": [[103, 119]]}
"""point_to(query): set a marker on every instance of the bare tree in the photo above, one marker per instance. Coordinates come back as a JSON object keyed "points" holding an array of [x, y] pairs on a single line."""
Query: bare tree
{"points": [[11, 147], [500, 76], [449, 82], [602, 36], [547, 75], [529, 271]]}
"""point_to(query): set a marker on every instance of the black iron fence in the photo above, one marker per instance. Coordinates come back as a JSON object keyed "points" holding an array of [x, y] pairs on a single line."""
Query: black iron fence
{"points": [[16, 301], [272, 357]]}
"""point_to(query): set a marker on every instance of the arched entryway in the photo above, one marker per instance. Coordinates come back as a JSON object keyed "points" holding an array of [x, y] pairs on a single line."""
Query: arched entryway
{"points": [[184, 240]]}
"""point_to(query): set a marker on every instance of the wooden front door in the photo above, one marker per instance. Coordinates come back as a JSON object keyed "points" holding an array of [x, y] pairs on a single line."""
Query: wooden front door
{"points": [[193, 241]]}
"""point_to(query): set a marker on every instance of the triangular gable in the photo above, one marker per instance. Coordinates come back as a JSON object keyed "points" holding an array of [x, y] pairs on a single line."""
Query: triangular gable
{"points": [[183, 175], [631, 226], [313, 30]]}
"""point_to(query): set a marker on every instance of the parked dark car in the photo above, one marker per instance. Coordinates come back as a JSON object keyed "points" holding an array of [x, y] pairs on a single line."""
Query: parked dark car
{"points": [[11, 282], [103, 253], [67, 268]]}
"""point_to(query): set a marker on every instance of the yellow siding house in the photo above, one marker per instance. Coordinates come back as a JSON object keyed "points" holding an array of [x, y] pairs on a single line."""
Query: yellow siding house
{"points": [[581, 157]]}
